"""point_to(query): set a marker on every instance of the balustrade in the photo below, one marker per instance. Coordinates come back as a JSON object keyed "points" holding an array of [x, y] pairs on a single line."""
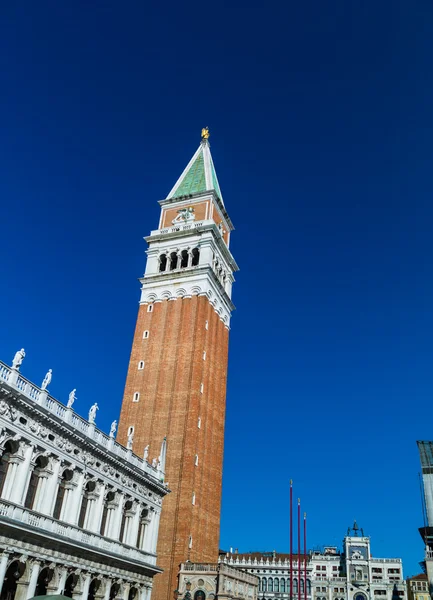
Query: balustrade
{"points": [[51, 526], [62, 412]]}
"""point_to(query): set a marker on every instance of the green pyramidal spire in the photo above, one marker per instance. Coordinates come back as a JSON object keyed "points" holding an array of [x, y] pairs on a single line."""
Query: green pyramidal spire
{"points": [[199, 175]]}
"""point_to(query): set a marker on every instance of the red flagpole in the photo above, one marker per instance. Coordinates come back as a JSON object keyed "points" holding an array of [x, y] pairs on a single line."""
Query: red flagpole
{"points": [[299, 549], [291, 540], [305, 556]]}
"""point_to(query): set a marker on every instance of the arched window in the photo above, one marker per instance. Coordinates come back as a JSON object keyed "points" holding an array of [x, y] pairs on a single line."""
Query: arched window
{"points": [[10, 448], [308, 586], [88, 490], [125, 518], [45, 576], [114, 590], [108, 507], [195, 257], [276, 585], [295, 586], [199, 595], [264, 584], [282, 585], [13, 573], [302, 585], [162, 263], [173, 261], [93, 589], [270, 585], [184, 259], [31, 500], [66, 478], [136, 397], [132, 593]]}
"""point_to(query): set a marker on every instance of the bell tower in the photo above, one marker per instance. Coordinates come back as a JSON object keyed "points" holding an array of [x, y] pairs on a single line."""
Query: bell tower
{"points": [[177, 374]]}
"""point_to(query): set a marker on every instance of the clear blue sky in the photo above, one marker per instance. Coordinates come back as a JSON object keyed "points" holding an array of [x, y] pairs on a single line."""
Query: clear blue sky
{"points": [[321, 115]]}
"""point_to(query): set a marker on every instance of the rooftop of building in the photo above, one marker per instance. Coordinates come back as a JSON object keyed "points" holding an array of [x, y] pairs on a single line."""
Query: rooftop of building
{"points": [[419, 577]]}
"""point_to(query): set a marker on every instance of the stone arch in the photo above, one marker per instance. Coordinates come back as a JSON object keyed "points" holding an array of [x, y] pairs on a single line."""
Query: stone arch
{"points": [[95, 584], [45, 576], [166, 294], [195, 290], [70, 584], [13, 573], [181, 292]]}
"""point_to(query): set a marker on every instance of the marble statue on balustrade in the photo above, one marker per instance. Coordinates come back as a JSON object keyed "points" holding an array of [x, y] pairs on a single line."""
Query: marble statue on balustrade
{"points": [[92, 412], [47, 379], [130, 439], [18, 359], [146, 453], [71, 399], [113, 428]]}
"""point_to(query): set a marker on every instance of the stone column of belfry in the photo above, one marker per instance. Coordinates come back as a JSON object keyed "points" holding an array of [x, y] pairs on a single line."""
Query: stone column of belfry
{"points": [[179, 393]]}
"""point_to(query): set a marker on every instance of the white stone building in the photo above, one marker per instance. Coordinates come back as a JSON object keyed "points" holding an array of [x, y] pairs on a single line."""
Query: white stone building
{"points": [[79, 513], [353, 574]]}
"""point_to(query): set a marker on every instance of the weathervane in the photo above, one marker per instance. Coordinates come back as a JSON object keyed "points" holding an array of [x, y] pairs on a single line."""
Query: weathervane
{"points": [[205, 133]]}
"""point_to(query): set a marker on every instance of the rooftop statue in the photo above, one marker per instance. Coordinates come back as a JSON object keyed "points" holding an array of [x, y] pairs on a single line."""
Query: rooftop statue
{"points": [[47, 379], [205, 133], [18, 359], [146, 452], [71, 399], [113, 428], [92, 412], [130, 439]]}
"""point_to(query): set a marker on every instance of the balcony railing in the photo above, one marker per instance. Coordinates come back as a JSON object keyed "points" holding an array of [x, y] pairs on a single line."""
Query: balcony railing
{"points": [[67, 415], [71, 533]]}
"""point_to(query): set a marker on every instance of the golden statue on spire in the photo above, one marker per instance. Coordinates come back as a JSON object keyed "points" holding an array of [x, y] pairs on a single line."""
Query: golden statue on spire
{"points": [[205, 133]]}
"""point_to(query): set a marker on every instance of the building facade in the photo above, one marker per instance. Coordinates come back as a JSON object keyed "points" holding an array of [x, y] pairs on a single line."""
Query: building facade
{"points": [[417, 587], [176, 381], [215, 581], [79, 513], [353, 574], [426, 456]]}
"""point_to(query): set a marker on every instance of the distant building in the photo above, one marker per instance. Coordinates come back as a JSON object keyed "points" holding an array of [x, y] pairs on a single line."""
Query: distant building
{"points": [[426, 455], [353, 574], [417, 587], [201, 581], [79, 513]]}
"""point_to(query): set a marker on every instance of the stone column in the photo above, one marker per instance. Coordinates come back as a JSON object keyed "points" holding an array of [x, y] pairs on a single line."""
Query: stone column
{"points": [[135, 525], [10, 478], [126, 588], [3, 567], [22, 476], [48, 501], [74, 501], [86, 586], [97, 508], [62, 580], [155, 532], [107, 589], [36, 567], [116, 519]]}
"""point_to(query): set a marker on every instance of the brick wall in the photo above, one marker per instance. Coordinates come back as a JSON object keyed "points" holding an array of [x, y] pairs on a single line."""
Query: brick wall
{"points": [[170, 405]]}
